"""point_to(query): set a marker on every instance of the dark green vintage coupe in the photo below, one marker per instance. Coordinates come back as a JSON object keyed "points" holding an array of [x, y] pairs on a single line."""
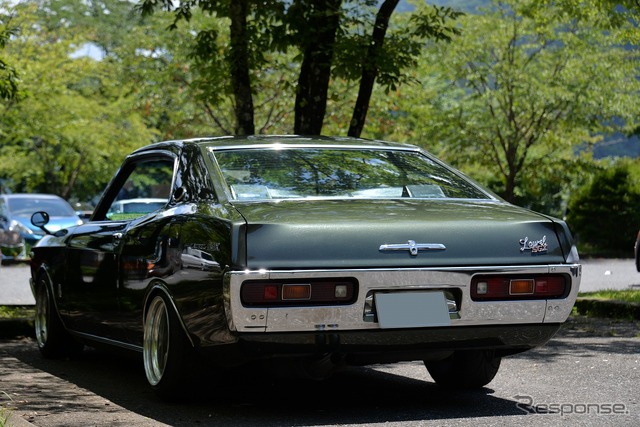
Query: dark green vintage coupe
{"points": [[319, 251]]}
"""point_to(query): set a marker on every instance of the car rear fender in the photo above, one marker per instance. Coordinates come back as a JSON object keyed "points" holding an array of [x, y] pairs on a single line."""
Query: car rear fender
{"points": [[44, 271], [565, 238], [159, 287]]}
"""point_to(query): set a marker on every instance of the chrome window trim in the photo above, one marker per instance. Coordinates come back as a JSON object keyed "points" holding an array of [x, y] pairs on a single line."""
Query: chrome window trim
{"points": [[320, 145]]}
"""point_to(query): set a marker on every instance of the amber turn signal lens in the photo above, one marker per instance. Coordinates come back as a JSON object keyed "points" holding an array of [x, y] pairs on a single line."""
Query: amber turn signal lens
{"points": [[521, 287], [299, 292]]}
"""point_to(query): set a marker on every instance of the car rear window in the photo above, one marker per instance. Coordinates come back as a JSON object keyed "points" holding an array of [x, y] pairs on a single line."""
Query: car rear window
{"points": [[289, 173]]}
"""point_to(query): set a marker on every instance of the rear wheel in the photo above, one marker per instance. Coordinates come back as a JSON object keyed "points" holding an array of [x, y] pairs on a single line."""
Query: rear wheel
{"points": [[53, 339], [465, 369], [165, 349]]}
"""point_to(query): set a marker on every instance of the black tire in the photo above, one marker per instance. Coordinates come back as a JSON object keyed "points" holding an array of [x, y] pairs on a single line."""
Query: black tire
{"points": [[165, 350], [465, 369], [53, 339]]}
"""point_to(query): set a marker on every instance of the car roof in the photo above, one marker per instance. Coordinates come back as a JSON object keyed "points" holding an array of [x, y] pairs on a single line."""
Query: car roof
{"points": [[258, 141]]}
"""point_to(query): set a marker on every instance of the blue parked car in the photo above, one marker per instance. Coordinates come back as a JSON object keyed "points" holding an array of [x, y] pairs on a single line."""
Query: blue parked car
{"points": [[17, 234]]}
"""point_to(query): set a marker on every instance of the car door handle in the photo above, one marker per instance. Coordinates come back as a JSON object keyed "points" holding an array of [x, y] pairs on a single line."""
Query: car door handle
{"points": [[117, 236]]}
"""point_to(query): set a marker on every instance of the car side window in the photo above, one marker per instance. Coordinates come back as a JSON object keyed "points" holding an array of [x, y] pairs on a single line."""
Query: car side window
{"points": [[146, 189]]}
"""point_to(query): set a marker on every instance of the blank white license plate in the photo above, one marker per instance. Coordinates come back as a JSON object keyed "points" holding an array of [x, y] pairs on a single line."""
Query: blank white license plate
{"points": [[412, 309]]}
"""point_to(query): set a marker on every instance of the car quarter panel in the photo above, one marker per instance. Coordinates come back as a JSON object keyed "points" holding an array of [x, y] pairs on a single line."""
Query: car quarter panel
{"points": [[185, 256]]}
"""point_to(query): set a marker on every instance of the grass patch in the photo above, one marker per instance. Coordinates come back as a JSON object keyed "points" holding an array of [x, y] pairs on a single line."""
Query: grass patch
{"points": [[16, 312], [626, 295], [4, 412], [4, 417], [613, 304]]}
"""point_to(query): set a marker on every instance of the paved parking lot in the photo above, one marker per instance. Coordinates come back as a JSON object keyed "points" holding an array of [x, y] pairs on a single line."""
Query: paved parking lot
{"points": [[14, 285], [587, 375]]}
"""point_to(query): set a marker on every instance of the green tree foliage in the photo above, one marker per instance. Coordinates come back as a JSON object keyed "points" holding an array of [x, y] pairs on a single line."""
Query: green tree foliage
{"points": [[509, 100], [515, 95], [8, 75], [197, 53], [605, 14], [151, 66], [343, 39], [612, 196], [251, 31], [74, 124], [378, 61]]}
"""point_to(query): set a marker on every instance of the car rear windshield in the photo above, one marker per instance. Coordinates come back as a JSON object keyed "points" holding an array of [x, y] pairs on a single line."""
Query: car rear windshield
{"points": [[290, 173]]}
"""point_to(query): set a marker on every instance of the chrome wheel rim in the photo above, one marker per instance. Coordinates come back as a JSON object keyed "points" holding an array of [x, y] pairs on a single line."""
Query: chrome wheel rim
{"points": [[42, 315], [156, 340]]}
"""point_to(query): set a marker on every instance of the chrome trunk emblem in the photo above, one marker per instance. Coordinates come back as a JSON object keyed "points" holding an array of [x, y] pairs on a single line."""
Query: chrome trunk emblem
{"points": [[412, 247], [535, 246]]}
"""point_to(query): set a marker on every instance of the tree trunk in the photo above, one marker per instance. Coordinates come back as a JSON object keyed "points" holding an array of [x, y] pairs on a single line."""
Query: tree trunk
{"points": [[370, 67], [315, 72], [239, 54]]}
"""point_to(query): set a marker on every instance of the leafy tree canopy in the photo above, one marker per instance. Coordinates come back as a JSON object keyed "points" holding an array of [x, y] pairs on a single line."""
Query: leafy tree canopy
{"points": [[8, 75], [611, 196], [511, 100], [75, 120], [516, 94], [343, 39]]}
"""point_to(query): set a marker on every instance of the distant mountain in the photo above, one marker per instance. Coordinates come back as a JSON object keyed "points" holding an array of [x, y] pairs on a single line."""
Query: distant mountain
{"points": [[617, 145], [471, 6]]}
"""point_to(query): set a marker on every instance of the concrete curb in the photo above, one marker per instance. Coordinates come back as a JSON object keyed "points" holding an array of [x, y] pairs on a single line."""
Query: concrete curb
{"points": [[14, 420]]}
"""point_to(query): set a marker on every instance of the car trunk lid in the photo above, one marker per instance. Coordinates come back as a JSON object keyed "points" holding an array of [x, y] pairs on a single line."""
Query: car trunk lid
{"points": [[360, 233]]}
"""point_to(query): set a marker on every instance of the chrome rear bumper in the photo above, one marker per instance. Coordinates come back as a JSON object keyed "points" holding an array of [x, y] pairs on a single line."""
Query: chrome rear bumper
{"points": [[352, 317]]}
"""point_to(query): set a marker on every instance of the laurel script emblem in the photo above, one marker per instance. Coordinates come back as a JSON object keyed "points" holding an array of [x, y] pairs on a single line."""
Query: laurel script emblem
{"points": [[535, 246]]}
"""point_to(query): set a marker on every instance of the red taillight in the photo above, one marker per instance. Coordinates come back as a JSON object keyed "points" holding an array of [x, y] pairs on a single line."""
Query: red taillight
{"points": [[487, 288], [553, 286], [270, 293], [289, 292]]}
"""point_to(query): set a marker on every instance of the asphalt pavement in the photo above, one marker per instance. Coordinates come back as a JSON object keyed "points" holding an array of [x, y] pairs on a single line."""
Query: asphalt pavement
{"points": [[597, 274], [14, 285], [586, 376]]}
